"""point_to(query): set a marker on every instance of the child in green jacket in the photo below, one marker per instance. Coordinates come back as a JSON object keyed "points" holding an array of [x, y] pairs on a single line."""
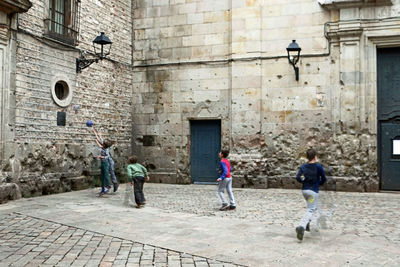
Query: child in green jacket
{"points": [[137, 174]]}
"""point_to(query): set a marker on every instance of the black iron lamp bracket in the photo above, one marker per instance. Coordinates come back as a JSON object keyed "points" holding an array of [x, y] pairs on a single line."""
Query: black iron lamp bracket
{"points": [[102, 42], [83, 63], [296, 71]]}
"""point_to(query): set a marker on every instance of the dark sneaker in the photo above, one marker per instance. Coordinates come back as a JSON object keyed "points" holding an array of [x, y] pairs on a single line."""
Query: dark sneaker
{"points": [[308, 227], [116, 187], [224, 207], [231, 207], [300, 232], [138, 206], [103, 192]]}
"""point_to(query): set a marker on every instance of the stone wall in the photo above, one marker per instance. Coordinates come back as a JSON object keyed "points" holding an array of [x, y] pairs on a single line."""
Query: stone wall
{"points": [[227, 60], [173, 61], [38, 156]]}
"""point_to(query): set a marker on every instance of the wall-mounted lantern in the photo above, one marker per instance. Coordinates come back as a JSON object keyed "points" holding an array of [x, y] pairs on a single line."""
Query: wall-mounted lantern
{"points": [[293, 51], [101, 47]]}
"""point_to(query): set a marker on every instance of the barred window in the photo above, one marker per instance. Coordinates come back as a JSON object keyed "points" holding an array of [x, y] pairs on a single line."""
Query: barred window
{"points": [[62, 23]]}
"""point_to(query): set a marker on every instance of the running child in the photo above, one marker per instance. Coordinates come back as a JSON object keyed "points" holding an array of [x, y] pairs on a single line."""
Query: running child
{"points": [[311, 175], [225, 181], [137, 174]]}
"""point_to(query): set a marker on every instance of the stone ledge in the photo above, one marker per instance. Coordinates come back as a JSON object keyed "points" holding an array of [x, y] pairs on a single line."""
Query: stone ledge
{"points": [[166, 178], [334, 183], [79, 183], [339, 4], [31, 187], [13, 6], [9, 191]]}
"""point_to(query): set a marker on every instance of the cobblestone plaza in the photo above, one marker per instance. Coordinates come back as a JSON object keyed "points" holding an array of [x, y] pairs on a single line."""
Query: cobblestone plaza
{"points": [[181, 226]]}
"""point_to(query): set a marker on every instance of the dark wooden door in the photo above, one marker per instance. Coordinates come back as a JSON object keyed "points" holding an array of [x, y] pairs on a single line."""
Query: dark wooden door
{"points": [[388, 70], [205, 144]]}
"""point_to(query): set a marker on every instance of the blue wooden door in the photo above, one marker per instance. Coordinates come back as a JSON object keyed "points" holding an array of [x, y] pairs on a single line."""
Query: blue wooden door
{"points": [[390, 155], [205, 144]]}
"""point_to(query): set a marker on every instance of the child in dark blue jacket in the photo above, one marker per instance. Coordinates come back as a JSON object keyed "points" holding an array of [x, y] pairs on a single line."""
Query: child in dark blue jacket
{"points": [[311, 175]]}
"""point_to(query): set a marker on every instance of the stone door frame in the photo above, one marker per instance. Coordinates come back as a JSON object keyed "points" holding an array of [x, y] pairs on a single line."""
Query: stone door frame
{"points": [[356, 93], [3, 52], [374, 43]]}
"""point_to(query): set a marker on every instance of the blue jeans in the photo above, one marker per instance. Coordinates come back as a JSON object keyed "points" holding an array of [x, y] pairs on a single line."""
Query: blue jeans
{"points": [[105, 177], [138, 182], [226, 184]]}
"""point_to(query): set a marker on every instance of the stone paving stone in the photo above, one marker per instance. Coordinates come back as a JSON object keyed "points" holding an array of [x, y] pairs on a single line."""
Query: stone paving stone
{"points": [[4, 255], [108, 258], [26, 259], [12, 258], [92, 263], [187, 261], [134, 260], [105, 264], [79, 263], [144, 262], [201, 264], [119, 262], [64, 263], [122, 257]]}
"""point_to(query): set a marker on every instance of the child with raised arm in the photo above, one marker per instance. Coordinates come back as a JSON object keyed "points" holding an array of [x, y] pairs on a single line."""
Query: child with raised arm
{"points": [[104, 167], [105, 142], [311, 175]]}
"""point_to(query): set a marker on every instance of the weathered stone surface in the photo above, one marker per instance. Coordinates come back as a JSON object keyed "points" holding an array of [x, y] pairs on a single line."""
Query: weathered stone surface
{"points": [[35, 153], [168, 178], [188, 60], [9, 191], [80, 183]]}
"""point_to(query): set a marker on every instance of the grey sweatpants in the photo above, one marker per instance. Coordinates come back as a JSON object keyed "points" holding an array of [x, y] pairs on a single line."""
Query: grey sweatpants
{"points": [[311, 215], [226, 184]]}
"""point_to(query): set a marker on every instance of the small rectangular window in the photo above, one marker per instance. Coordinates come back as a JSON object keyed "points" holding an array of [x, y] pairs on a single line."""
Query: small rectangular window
{"points": [[62, 23]]}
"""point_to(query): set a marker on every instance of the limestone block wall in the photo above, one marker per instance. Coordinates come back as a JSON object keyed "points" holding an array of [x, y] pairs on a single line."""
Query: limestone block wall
{"points": [[172, 31], [269, 119], [39, 156], [165, 100]]}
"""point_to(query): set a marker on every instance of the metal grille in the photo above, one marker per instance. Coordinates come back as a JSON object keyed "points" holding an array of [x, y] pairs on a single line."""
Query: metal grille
{"points": [[63, 22]]}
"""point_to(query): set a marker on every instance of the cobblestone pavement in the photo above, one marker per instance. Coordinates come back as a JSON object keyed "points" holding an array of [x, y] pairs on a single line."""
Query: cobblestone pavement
{"points": [[27, 241], [182, 226], [364, 214]]}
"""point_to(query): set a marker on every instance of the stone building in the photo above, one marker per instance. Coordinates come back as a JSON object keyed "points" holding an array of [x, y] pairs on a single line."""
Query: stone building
{"points": [[187, 77], [46, 146], [212, 73]]}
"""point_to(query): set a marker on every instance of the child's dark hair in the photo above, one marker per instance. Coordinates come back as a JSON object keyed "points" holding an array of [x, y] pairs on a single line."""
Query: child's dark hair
{"points": [[225, 153], [107, 143], [311, 154], [132, 159]]}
